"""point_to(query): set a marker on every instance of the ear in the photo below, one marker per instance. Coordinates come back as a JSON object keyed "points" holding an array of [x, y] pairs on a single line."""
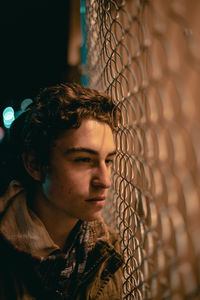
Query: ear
{"points": [[31, 166]]}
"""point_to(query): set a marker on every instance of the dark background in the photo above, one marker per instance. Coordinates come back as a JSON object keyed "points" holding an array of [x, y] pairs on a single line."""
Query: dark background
{"points": [[34, 43], [33, 54]]}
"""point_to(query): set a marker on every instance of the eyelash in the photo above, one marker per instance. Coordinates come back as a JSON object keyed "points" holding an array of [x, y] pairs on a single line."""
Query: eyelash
{"points": [[109, 162], [89, 160], [83, 159]]}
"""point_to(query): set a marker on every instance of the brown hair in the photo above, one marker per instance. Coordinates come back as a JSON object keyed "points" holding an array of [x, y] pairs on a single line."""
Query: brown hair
{"points": [[54, 110]]}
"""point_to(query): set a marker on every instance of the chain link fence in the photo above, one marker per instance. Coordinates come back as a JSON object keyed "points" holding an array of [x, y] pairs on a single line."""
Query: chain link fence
{"points": [[146, 55]]}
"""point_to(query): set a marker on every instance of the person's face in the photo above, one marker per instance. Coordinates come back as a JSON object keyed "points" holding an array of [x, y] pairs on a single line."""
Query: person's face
{"points": [[78, 175]]}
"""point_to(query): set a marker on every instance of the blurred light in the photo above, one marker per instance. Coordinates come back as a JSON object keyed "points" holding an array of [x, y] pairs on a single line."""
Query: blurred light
{"points": [[2, 134], [8, 116], [25, 103]]}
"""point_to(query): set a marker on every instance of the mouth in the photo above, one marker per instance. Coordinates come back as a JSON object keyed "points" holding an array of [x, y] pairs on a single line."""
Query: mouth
{"points": [[96, 199]]}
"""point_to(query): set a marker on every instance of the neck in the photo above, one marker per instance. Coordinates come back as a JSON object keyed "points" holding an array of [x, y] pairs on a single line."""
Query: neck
{"points": [[57, 222]]}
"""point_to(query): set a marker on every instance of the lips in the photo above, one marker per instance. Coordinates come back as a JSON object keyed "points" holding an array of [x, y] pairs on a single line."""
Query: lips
{"points": [[96, 199]]}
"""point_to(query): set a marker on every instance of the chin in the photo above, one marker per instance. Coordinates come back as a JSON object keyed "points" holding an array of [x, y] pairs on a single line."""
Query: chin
{"points": [[91, 218]]}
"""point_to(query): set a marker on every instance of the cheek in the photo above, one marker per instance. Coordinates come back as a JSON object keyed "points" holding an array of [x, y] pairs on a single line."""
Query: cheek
{"points": [[55, 190], [76, 177], [61, 181], [77, 185]]}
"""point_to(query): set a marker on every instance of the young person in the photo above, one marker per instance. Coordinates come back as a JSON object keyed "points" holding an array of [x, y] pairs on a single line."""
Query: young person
{"points": [[53, 241]]}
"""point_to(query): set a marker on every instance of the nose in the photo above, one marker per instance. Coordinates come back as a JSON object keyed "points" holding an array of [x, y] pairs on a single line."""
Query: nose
{"points": [[101, 177]]}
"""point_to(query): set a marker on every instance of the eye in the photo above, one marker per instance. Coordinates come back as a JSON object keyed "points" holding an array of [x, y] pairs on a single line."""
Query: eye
{"points": [[109, 162], [83, 159]]}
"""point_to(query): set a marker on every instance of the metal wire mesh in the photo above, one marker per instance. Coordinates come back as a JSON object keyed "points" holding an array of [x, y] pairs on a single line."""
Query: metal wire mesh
{"points": [[146, 55]]}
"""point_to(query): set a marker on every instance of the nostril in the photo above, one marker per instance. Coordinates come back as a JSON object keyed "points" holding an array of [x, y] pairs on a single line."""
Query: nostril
{"points": [[103, 183]]}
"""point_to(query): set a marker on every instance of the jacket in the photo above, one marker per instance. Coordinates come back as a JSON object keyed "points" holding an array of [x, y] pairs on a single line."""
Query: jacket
{"points": [[24, 243]]}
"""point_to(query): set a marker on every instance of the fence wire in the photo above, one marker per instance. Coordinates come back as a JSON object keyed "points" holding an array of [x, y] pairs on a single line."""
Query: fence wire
{"points": [[146, 55]]}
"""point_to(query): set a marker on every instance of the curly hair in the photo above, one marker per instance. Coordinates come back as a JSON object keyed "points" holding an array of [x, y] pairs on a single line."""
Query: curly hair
{"points": [[55, 109]]}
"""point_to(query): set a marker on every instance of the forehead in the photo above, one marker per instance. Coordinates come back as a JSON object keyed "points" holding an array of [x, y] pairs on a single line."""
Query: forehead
{"points": [[92, 134]]}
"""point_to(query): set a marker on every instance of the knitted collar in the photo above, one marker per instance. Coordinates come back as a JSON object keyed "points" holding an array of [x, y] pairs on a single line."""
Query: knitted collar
{"points": [[60, 271]]}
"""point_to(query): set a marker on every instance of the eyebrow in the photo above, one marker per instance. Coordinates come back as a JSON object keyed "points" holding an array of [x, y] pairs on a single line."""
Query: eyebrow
{"points": [[86, 150]]}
